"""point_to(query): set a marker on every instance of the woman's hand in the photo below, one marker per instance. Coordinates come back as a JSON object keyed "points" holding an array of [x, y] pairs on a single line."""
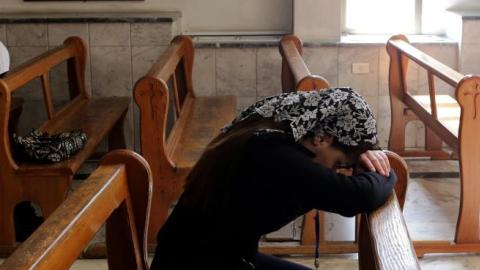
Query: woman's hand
{"points": [[375, 161]]}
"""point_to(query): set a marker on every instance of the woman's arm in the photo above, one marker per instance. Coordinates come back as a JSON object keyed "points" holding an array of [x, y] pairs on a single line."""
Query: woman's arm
{"points": [[290, 170]]}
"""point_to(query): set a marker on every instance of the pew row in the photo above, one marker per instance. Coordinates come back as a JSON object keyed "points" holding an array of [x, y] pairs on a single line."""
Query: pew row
{"points": [[175, 125], [453, 120], [118, 192], [100, 118]]}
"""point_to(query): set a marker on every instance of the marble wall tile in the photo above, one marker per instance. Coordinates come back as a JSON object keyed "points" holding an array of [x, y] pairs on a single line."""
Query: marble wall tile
{"points": [[3, 34], [109, 34], [471, 31], [129, 128], [446, 54], [366, 84], [339, 228], [177, 27], [27, 35], [204, 72], [59, 82], [58, 32], [269, 69], [111, 71], [373, 104], [136, 128], [19, 55], [282, 234], [236, 72], [470, 57], [151, 34], [383, 74], [323, 61], [143, 58], [411, 134], [33, 115]]}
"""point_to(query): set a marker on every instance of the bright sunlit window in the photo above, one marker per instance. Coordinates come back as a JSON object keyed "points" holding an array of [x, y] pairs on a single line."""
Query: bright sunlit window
{"points": [[382, 16]]}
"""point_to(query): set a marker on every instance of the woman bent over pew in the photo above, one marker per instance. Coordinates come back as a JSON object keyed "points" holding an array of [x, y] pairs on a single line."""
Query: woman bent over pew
{"points": [[275, 162]]}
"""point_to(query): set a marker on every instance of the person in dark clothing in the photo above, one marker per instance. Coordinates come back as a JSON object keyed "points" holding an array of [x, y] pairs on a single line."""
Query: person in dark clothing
{"points": [[275, 162]]}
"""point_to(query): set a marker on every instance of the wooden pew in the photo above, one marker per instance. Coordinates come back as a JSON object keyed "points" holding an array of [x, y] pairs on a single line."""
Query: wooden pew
{"points": [[118, 192], [165, 95], [453, 120], [291, 51], [48, 184], [295, 74]]}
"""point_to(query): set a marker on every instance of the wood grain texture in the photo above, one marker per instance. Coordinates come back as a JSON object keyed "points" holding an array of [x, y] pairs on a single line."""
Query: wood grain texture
{"points": [[117, 192], [384, 240], [167, 87], [48, 184]]}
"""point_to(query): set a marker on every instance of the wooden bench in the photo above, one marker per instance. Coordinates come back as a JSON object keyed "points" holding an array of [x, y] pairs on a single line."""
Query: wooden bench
{"points": [[47, 184], [296, 74], [118, 192], [175, 124], [453, 120]]}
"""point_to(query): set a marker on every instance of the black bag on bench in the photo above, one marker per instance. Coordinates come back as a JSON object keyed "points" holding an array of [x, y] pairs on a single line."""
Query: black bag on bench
{"points": [[46, 148]]}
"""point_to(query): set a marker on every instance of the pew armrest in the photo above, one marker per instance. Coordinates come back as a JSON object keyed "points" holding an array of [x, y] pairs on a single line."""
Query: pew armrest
{"points": [[384, 240]]}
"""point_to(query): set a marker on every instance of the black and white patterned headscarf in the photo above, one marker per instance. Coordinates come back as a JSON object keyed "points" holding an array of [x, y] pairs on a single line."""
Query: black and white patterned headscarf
{"points": [[339, 112]]}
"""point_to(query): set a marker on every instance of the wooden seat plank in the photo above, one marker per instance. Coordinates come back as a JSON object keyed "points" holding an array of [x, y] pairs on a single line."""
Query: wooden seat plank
{"points": [[203, 122], [87, 119], [448, 110]]}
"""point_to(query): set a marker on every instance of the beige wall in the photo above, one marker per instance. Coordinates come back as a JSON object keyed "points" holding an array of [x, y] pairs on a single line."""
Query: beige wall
{"points": [[204, 15], [317, 20]]}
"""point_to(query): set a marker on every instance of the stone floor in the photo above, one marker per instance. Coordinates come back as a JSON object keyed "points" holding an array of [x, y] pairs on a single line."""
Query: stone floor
{"points": [[431, 211]]}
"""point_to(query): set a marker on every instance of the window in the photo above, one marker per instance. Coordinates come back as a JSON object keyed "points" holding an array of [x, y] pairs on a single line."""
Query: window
{"points": [[395, 16], [382, 16]]}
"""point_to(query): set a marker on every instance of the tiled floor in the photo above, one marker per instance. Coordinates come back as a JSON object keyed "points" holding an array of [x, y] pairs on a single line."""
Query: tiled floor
{"points": [[431, 211]]}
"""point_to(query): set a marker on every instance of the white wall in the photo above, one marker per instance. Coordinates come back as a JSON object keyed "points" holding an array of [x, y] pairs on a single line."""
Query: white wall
{"points": [[462, 4], [198, 15]]}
